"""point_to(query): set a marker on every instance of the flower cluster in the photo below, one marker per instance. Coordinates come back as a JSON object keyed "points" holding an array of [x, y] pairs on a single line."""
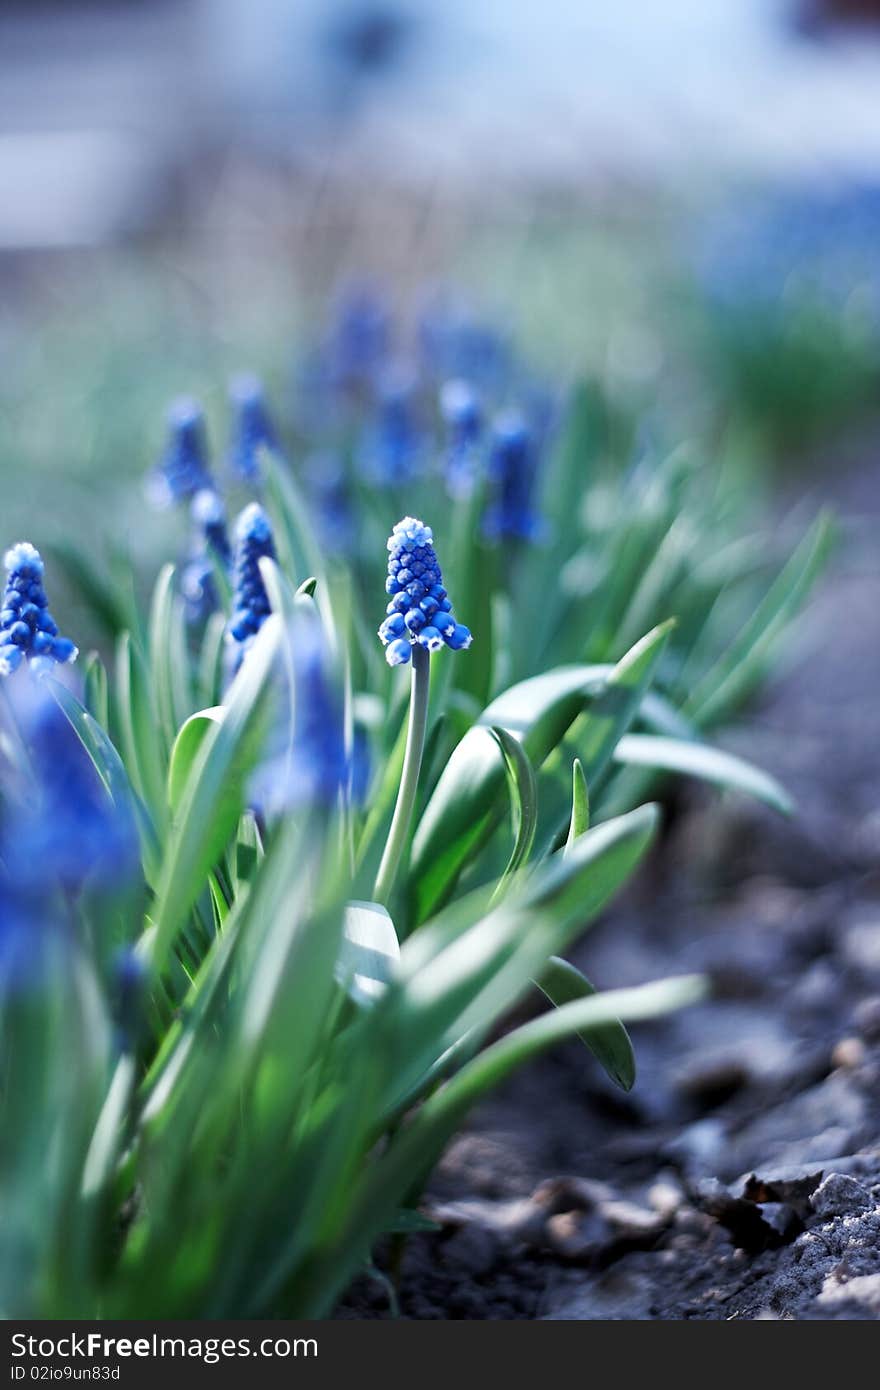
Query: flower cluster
{"points": [[512, 467], [313, 767], [394, 445], [419, 610], [211, 547], [253, 542], [463, 418], [253, 429], [183, 468], [27, 628]]}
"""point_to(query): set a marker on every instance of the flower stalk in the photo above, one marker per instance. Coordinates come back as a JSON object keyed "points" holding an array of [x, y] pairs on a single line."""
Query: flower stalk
{"points": [[409, 779]]}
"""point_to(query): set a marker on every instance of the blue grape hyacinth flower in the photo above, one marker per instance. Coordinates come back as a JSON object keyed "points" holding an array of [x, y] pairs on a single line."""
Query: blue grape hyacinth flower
{"points": [[183, 468], [311, 768], [27, 628], [211, 547], [393, 449], [253, 542], [253, 428], [463, 418], [419, 609], [512, 468]]}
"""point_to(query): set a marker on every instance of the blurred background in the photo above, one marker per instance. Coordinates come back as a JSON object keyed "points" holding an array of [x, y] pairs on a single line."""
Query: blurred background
{"points": [[678, 197]]}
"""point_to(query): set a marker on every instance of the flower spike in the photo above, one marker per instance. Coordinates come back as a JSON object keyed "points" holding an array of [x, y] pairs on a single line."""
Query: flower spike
{"points": [[27, 628], [183, 469], [253, 536], [419, 610], [253, 429]]}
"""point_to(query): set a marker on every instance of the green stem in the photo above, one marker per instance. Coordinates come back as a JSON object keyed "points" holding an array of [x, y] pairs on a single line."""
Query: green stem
{"points": [[409, 779]]}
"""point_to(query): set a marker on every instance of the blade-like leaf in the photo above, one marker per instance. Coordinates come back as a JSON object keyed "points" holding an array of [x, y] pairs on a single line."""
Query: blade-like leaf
{"points": [[609, 1042], [701, 760], [468, 798], [580, 804], [370, 951], [524, 801]]}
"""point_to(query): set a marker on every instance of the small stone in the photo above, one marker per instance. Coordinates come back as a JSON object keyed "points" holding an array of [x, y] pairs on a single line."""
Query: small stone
{"points": [[866, 1017], [848, 1053], [840, 1195], [861, 948]]}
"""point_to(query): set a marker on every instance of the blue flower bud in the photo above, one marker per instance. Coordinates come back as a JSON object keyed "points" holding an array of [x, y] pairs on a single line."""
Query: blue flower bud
{"points": [[27, 628], [426, 612], [253, 429], [250, 601], [512, 468], [398, 652], [459, 639], [183, 468], [429, 637]]}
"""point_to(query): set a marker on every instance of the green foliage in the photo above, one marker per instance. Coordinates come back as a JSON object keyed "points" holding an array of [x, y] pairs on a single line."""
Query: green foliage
{"points": [[303, 1053]]}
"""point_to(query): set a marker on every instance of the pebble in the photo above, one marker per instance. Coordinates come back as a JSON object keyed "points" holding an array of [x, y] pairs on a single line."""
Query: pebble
{"points": [[840, 1195]]}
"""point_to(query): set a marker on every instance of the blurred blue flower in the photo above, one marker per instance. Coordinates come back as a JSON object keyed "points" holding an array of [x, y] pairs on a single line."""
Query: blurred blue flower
{"points": [[208, 513], [394, 445], [512, 467], [210, 548], [331, 500], [463, 418], [311, 767], [817, 245], [253, 429], [61, 825], [454, 344], [253, 542], [419, 609], [183, 468], [27, 628], [359, 339], [130, 992]]}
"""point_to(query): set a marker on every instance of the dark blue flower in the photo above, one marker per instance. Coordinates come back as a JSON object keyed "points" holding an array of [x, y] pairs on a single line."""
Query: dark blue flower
{"points": [[253, 429], [512, 465], [419, 609], [27, 628], [253, 542], [183, 468]]}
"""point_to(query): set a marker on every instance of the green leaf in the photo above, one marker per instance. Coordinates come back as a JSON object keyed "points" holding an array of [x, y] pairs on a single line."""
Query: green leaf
{"points": [[186, 749], [219, 758], [97, 697], [418, 1145], [103, 598], [745, 660], [138, 726], [700, 760], [370, 951], [161, 660], [466, 803], [524, 801], [609, 1042], [580, 804], [458, 973]]}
